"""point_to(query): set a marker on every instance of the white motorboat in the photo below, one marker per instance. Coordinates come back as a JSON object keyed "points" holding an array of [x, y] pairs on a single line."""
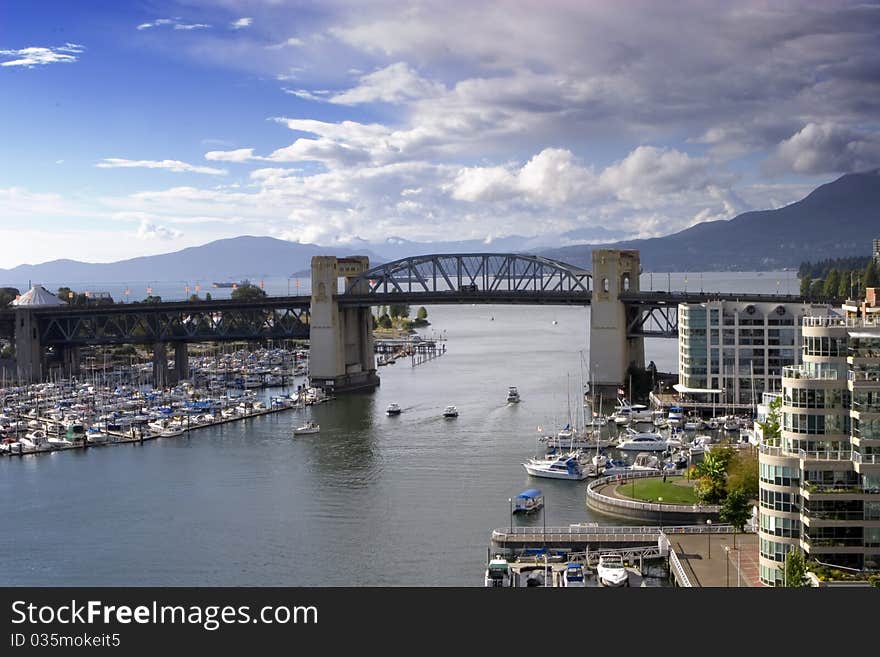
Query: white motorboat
{"points": [[60, 443], [675, 417], [308, 427], [171, 432], [450, 411], [645, 461], [498, 573], [731, 423], [512, 395], [694, 424], [611, 571], [643, 441], [393, 409], [573, 576], [565, 466]]}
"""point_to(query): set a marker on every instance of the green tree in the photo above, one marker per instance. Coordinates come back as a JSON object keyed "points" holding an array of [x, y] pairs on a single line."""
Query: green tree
{"points": [[806, 285], [795, 569], [817, 288], [385, 321], [422, 313], [771, 426], [398, 310], [742, 474], [7, 351], [7, 295], [872, 276], [843, 286], [736, 510], [152, 299], [711, 487], [832, 282], [194, 297], [208, 296], [247, 291]]}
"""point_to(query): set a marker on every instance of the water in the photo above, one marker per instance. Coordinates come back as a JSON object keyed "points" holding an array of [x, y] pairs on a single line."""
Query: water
{"points": [[371, 500]]}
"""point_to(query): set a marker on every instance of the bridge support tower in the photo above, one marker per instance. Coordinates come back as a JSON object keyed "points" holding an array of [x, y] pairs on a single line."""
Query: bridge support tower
{"points": [[341, 357], [28, 350], [612, 351]]}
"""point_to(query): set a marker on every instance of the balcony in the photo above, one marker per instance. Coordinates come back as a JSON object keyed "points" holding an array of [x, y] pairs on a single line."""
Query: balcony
{"points": [[826, 455], [871, 459], [800, 372], [871, 321], [810, 489], [824, 320]]}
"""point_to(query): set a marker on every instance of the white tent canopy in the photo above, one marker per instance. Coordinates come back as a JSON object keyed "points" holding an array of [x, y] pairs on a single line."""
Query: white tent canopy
{"points": [[38, 296]]}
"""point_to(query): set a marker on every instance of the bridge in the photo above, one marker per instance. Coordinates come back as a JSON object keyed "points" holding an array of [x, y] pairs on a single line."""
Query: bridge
{"points": [[338, 323]]}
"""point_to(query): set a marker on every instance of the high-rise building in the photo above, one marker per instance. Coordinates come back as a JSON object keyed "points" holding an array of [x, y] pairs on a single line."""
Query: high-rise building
{"points": [[820, 483], [876, 251], [733, 351]]}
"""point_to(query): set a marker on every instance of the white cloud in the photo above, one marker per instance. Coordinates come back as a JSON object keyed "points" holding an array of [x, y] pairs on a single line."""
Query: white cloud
{"points": [[158, 22], [392, 84], [170, 165], [191, 26], [39, 56], [241, 23], [826, 148], [287, 43], [237, 155], [175, 24], [150, 231]]}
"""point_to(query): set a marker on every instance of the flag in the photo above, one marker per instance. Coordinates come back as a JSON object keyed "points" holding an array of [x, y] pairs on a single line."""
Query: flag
{"points": [[621, 391]]}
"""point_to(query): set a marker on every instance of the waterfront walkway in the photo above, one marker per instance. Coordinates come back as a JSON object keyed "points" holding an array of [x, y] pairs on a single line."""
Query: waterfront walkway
{"points": [[707, 563]]}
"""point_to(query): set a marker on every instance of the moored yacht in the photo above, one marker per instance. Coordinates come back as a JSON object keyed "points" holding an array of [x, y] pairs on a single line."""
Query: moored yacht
{"points": [[565, 466], [573, 576], [642, 441], [611, 571]]}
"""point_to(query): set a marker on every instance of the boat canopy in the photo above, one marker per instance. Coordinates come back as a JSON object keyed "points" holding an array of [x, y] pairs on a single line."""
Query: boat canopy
{"points": [[678, 387], [531, 492]]}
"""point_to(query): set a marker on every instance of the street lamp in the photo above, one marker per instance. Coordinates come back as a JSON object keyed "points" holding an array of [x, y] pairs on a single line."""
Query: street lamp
{"points": [[510, 500], [660, 500], [709, 534], [727, 554]]}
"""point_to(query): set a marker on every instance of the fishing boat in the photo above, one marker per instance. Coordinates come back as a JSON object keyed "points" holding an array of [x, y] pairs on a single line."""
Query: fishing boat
{"points": [[611, 571], [308, 427], [527, 501], [498, 573], [565, 466], [450, 411], [573, 577], [393, 409], [512, 395]]}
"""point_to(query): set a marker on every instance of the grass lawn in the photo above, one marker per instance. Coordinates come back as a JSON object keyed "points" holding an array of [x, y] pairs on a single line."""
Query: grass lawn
{"points": [[649, 490]]}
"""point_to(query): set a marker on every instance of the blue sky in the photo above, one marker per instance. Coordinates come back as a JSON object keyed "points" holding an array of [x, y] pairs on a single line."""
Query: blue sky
{"points": [[144, 127]]}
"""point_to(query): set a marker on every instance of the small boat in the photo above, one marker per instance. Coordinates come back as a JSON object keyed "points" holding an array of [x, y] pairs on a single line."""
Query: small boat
{"points": [[308, 427], [645, 461], [611, 571], [694, 424], [450, 411], [731, 423], [566, 466], [512, 395], [498, 573], [527, 501], [573, 577], [535, 578], [393, 409], [615, 467], [675, 416]]}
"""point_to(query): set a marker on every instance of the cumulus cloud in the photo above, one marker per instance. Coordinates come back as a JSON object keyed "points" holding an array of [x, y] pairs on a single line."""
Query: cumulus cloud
{"points": [[38, 56], [241, 23], [820, 148], [170, 165], [237, 155], [150, 231]]}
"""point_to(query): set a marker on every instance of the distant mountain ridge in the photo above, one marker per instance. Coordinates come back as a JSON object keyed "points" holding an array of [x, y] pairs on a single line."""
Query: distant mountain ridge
{"points": [[838, 219], [227, 259]]}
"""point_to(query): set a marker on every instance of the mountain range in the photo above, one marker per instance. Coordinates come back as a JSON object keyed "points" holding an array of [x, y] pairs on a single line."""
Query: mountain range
{"points": [[838, 219]]}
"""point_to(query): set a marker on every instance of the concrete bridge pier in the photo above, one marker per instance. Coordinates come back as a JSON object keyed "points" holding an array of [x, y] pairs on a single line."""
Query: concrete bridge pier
{"points": [[161, 375], [612, 351], [70, 360], [28, 350], [181, 361], [341, 357]]}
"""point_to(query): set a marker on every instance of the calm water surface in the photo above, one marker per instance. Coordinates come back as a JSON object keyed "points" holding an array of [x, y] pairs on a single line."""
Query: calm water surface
{"points": [[371, 500]]}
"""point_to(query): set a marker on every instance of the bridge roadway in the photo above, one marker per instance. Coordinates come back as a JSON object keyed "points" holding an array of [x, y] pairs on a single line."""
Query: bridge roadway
{"points": [[288, 316]]}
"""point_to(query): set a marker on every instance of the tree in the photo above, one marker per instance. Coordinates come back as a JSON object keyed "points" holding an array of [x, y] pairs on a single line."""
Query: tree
{"points": [[208, 296], [742, 474], [843, 286], [385, 321], [152, 299], [795, 569], [398, 310], [711, 486], [816, 289], [247, 291], [194, 297], [422, 313], [832, 282], [806, 285], [735, 510], [771, 426], [7, 295], [872, 276]]}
